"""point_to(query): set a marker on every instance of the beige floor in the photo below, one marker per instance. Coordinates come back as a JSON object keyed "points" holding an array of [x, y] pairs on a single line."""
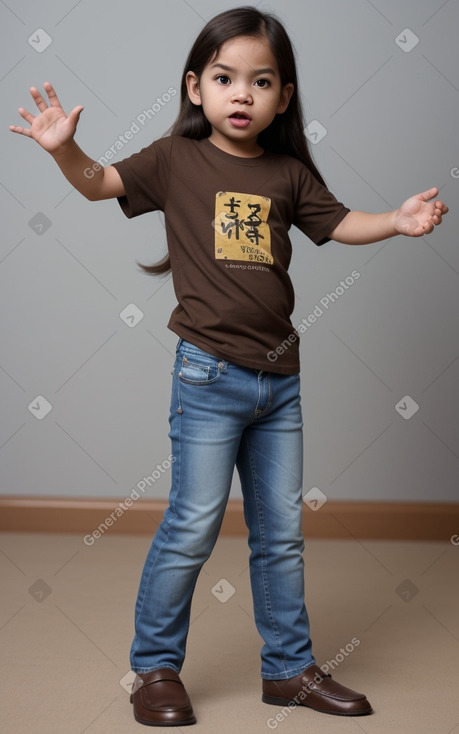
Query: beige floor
{"points": [[66, 625]]}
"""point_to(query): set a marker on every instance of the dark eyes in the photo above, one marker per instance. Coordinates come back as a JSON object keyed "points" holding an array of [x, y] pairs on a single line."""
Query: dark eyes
{"points": [[225, 80], [262, 83]]}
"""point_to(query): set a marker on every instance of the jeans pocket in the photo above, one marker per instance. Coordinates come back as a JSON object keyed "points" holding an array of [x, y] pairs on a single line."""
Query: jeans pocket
{"points": [[196, 367]]}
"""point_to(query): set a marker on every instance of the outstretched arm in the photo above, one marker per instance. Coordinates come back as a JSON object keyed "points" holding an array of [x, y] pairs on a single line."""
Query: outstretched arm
{"points": [[53, 130], [416, 217]]}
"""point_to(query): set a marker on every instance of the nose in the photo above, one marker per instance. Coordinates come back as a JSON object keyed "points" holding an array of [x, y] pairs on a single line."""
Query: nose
{"points": [[242, 96]]}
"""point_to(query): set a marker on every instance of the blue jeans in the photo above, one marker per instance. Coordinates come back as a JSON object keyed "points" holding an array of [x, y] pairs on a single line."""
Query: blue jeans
{"points": [[222, 416]]}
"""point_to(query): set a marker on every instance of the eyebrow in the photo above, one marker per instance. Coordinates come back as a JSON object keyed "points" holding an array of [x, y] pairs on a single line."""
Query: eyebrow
{"points": [[267, 70]]}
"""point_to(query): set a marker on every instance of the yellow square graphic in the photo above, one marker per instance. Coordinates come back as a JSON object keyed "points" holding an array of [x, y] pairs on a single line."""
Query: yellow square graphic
{"points": [[241, 227]]}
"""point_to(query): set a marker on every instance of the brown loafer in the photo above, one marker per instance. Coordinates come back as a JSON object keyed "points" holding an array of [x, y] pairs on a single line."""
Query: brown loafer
{"points": [[318, 691], [160, 699]]}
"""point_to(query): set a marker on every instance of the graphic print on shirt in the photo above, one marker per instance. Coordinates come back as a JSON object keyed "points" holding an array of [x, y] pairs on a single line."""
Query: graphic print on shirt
{"points": [[241, 227]]}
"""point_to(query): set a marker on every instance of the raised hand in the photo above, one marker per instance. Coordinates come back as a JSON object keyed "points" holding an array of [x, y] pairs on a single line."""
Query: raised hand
{"points": [[418, 215], [52, 128]]}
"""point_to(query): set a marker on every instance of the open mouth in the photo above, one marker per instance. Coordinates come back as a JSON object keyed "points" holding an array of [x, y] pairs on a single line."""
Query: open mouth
{"points": [[240, 119]]}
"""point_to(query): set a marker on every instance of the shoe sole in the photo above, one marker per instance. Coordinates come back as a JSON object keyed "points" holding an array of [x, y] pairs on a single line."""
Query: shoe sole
{"points": [[288, 701], [187, 722]]}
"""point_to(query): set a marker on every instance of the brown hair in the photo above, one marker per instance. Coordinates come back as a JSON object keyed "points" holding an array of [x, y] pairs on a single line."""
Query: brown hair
{"points": [[286, 132]]}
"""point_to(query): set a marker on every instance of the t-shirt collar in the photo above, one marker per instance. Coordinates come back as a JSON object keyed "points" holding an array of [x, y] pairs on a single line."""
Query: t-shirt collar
{"points": [[235, 159]]}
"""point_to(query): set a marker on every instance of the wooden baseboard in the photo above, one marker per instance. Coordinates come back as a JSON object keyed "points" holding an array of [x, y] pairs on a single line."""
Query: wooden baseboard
{"points": [[339, 520]]}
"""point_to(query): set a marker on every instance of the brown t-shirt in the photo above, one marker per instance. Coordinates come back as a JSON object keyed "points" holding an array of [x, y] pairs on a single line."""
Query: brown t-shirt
{"points": [[227, 221]]}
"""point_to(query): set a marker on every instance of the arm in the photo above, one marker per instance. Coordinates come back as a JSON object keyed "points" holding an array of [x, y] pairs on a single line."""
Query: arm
{"points": [[53, 130], [415, 218]]}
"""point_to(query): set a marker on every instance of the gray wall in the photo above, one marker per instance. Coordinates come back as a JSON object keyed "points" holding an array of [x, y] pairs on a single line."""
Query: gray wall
{"points": [[67, 266]]}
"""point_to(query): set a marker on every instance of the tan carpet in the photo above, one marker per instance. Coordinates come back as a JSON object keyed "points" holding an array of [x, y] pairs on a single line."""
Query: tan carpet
{"points": [[66, 626]]}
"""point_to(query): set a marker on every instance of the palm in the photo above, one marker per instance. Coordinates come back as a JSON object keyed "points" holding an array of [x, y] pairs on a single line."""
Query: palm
{"points": [[418, 216], [52, 128]]}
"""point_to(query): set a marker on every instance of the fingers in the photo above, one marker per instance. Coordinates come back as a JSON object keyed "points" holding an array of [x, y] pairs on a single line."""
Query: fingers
{"points": [[429, 194], [38, 99], [74, 115], [21, 130], [41, 105], [438, 209], [436, 217], [441, 208], [52, 96], [26, 115]]}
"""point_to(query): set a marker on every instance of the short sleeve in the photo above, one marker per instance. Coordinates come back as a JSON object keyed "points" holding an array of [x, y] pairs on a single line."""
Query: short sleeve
{"points": [[145, 176], [317, 210]]}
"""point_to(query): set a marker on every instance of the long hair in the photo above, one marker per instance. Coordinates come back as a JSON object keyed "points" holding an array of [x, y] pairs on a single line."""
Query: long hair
{"points": [[285, 134]]}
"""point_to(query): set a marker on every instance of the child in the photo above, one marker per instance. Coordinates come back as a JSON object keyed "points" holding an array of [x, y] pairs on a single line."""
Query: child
{"points": [[232, 177]]}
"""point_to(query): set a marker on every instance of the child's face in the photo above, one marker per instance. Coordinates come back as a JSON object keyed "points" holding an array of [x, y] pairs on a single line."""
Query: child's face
{"points": [[241, 92]]}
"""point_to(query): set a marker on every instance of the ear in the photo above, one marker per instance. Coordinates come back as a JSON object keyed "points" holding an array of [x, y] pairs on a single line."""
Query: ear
{"points": [[192, 83], [286, 96]]}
